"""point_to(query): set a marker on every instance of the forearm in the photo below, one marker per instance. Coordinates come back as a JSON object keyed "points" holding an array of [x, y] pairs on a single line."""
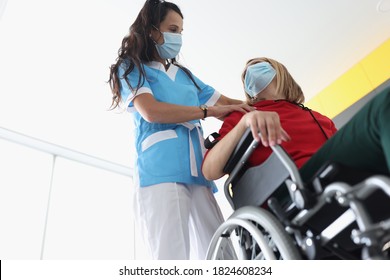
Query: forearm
{"points": [[224, 100], [161, 112], [218, 156], [267, 123], [171, 113]]}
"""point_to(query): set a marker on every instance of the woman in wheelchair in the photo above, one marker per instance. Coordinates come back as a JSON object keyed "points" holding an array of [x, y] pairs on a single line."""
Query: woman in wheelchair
{"points": [[359, 149]]}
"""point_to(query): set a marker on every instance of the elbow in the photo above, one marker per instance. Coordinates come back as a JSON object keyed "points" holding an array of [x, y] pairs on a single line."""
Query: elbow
{"points": [[151, 117], [209, 172], [156, 116]]}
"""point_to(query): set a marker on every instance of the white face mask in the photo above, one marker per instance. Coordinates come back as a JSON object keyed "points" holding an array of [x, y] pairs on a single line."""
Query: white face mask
{"points": [[171, 46], [258, 76]]}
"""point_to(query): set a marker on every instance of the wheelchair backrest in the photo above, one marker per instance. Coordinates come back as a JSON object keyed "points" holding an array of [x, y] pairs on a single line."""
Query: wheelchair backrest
{"points": [[259, 182]]}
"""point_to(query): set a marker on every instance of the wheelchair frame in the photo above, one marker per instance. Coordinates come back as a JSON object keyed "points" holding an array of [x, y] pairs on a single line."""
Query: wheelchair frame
{"points": [[283, 232]]}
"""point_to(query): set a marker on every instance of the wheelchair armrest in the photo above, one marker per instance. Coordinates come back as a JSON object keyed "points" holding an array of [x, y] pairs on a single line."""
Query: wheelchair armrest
{"points": [[239, 151]]}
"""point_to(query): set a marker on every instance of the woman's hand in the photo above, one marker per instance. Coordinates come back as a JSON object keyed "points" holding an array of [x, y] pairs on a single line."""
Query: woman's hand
{"points": [[221, 111], [268, 124]]}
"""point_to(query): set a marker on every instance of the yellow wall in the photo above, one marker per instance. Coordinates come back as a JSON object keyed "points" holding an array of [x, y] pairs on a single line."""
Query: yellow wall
{"points": [[361, 79]]}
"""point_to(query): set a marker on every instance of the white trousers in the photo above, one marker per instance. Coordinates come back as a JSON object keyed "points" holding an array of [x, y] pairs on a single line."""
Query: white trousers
{"points": [[177, 221]]}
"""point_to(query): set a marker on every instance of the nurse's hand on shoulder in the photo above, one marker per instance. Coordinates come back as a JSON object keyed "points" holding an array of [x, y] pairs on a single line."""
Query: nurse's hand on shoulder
{"points": [[269, 126], [221, 111]]}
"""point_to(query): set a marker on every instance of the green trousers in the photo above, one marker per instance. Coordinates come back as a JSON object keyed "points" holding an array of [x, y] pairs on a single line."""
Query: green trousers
{"points": [[363, 143]]}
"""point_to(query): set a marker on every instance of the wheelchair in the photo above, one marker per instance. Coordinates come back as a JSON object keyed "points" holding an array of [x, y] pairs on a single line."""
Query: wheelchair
{"points": [[340, 214]]}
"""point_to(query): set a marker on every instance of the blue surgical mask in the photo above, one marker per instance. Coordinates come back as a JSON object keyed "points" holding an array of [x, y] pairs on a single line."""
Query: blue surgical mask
{"points": [[258, 76], [171, 46]]}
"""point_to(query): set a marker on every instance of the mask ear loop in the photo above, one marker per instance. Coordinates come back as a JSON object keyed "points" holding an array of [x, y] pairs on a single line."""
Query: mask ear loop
{"points": [[150, 35], [254, 98], [151, 38]]}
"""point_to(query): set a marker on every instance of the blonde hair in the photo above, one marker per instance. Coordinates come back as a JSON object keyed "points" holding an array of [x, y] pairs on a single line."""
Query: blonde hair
{"points": [[285, 83]]}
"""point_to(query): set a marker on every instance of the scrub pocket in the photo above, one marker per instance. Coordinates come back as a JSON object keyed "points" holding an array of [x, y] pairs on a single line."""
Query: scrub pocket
{"points": [[160, 154]]}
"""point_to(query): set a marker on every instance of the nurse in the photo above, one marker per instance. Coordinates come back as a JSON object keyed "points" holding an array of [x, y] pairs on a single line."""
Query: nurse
{"points": [[175, 205]]}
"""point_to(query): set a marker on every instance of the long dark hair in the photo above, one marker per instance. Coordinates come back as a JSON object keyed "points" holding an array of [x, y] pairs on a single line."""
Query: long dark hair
{"points": [[137, 47]]}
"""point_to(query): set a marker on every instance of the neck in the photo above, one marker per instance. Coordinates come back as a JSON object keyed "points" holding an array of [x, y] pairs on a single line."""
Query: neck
{"points": [[269, 93]]}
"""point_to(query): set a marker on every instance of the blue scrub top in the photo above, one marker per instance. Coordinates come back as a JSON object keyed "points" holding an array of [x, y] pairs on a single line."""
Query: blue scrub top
{"points": [[168, 152]]}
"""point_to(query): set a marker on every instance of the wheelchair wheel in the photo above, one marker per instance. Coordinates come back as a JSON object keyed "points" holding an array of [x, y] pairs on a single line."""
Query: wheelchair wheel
{"points": [[259, 234]]}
